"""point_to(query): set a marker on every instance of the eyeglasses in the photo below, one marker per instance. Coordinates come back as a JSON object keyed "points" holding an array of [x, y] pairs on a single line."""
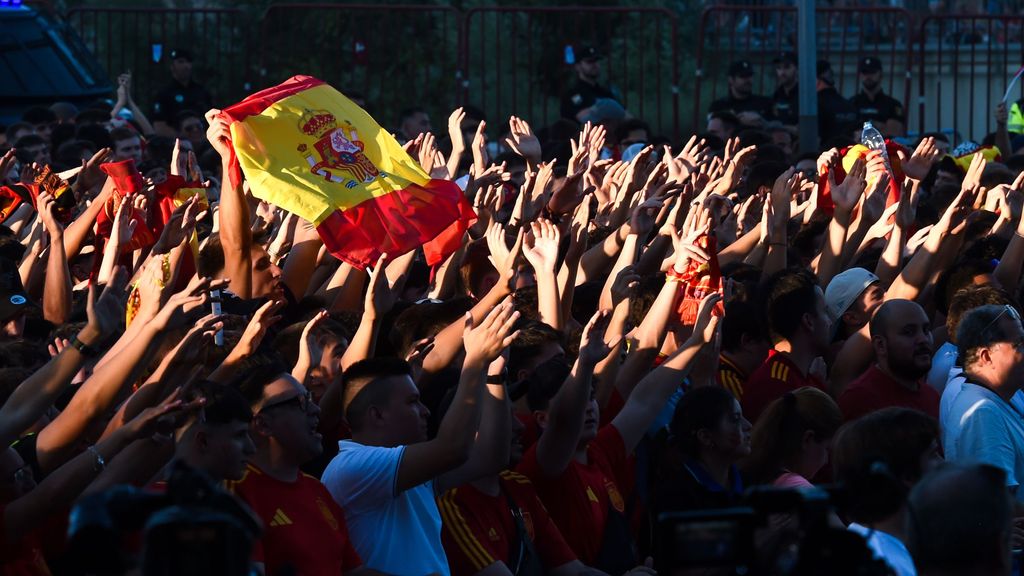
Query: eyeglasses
{"points": [[303, 401], [1007, 309]]}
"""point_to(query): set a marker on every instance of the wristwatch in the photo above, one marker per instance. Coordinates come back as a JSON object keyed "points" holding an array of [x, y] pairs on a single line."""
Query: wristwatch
{"points": [[84, 348]]}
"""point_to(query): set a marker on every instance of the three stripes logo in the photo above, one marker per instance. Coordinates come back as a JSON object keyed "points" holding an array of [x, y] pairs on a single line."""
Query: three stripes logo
{"points": [[280, 519]]}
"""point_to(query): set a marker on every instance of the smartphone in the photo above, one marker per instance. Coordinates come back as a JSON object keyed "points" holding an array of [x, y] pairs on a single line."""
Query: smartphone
{"points": [[218, 339]]}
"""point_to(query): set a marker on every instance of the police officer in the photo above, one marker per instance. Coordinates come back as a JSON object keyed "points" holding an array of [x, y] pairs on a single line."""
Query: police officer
{"points": [[786, 99], [588, 100], [751, 109], [836, 115], [180, 95], [884, 111]]}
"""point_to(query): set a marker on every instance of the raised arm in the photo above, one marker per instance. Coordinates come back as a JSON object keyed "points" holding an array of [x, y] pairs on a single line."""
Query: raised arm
{"points": [[234, 219], [654, 390], [567, 410], [542, 254], [451, 448], [845, 197], [33, 397], [57, 286]]}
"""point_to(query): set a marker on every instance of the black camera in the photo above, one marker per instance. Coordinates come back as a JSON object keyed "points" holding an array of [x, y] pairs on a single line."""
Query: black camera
{"points": [[196, 527], [777, 532]]}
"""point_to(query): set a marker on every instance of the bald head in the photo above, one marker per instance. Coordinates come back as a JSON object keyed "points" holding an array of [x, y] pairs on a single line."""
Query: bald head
{"points": [[893, 313], [902, 338]]}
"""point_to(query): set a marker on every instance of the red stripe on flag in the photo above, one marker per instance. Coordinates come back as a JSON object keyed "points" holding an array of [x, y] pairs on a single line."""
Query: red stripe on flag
{"points": [[260, 101], [433, 216]]}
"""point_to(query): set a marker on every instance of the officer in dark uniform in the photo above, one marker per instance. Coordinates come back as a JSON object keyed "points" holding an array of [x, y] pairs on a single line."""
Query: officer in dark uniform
{"points": [[180, 95], [836, 115], [587, 99], [751, 109], [786, 99], [884, 111]]}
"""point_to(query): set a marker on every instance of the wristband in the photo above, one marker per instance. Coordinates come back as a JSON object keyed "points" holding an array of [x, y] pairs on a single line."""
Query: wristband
{"points": [[498, 378], [83, 348], [100, 462]]}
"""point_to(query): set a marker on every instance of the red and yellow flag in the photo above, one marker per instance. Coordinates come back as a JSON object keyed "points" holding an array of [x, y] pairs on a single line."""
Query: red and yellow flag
{"points": [[307, 148]]}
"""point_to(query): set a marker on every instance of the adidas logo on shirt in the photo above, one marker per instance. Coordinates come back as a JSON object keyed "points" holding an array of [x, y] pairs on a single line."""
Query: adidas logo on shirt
{"points": [[280, 519]]}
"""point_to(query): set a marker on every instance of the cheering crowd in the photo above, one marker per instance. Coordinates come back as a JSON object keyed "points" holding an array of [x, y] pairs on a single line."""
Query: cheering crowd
{"points": [[631, 328]]}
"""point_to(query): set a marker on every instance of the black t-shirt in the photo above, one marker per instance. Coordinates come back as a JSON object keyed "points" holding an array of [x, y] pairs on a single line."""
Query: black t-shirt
{"points": [[753, 103], [835, 114], [583, 95], [882, 109], [786, 105], [176, 98]]}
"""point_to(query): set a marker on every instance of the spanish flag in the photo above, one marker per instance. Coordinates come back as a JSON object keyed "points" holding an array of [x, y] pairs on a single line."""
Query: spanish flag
{"points": [[307, 148], [849, 156]]}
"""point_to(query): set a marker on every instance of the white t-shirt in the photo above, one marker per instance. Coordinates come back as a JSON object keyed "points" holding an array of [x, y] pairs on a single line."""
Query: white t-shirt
{"points": [[887, 547], [393, 533], [985, 428]]}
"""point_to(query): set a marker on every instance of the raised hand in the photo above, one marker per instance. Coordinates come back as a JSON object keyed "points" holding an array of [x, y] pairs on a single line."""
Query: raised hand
{"points": [[310, 350], [625, 285], [542, 251], [160, 418], [380, 294], [486, 341], [47, 206], [106, 312], [180, 225], [416, 356], [874, 202], [972, 181], [265, 317], [180, 306], [479, 147], [593, 347], [846, 195], [707, 321], [522, 140], [218, 133], [90, 175], [455, 131], [921, 161]]}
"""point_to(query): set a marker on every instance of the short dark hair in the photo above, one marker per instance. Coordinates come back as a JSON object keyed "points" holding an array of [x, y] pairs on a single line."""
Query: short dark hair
{"points": [[532, 338], [409, 113], [972, 297], [764, 174], [627, 126], [362, 386], [211, 257], [16, 127], [698, 409], [122, 133], [891, 439], [256, 373], [959, 520], [424, 320], [957, 277], [544, 383], [789, 294], [726, 118], [180, 118], [740, 318], [979, 329], [224, 404]]}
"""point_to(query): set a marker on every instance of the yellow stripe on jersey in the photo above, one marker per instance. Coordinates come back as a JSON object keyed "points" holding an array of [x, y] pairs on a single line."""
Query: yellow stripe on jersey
{"points": [[456, 523]]}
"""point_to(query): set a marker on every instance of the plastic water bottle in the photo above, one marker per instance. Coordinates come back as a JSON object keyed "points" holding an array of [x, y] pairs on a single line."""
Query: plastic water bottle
{"points": [[873, 140]]}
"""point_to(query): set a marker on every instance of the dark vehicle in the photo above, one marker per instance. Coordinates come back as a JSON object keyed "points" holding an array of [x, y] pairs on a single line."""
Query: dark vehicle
{"points": [[42, 61]]}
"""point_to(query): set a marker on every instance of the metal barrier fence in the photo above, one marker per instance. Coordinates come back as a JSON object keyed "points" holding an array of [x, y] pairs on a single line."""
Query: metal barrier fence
{"points": [[366, 61], [517, 60], [140, 39], [964, 66], [759, 34]]}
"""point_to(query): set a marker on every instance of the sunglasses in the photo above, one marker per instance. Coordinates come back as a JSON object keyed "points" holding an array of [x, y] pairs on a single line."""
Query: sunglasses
{"points": [[1007, 309], [303, 401]]}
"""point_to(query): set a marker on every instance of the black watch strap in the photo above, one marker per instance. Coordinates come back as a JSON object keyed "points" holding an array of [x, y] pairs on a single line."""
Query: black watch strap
{"points": [[84, 348]]}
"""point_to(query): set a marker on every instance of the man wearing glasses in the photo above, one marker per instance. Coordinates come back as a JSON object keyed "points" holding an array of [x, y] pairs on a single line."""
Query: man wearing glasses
{"points": [[990, 342]]}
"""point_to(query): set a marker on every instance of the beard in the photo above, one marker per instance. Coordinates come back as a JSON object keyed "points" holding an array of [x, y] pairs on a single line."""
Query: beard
{"points": [[909, 368]]}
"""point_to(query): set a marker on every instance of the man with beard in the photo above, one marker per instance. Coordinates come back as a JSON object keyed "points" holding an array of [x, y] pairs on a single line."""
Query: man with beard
{"points": [[902, 339], [749, 108], [882, 110], [786, 99], [588, 100]]}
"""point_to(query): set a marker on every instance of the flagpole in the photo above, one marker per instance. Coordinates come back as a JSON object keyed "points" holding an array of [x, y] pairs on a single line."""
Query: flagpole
{"points": [[807, 56]]}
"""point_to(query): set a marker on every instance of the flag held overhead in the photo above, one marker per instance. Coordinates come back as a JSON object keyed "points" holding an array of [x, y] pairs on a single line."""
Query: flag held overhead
{"points": [[305, 147]]}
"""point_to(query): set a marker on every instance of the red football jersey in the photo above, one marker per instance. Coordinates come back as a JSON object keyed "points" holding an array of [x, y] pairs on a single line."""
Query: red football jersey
{"points": [[579, 499], [304, 527], [479, 530], [776, 376]]}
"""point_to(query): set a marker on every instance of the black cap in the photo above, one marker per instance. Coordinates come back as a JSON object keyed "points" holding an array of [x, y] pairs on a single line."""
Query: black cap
{"points": [[588, 53], [870, 65], [181, 53], [785, 58], [13, 299], [741, 68]]}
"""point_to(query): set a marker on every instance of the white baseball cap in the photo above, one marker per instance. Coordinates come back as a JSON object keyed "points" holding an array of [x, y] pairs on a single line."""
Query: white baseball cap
{"points": [[843, 290]]}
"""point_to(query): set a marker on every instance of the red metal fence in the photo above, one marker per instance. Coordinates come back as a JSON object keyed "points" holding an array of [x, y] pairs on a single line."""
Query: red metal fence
{"points": [[964, 65], [513, 59], [516, 60], [759, 34], [140, 39]]}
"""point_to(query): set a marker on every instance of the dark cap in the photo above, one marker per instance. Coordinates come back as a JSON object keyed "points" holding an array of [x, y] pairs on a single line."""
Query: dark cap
{"points": [[785, 58], [741, 68], [588, 53], [870, 65], [13, 299], [180, 53]]}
